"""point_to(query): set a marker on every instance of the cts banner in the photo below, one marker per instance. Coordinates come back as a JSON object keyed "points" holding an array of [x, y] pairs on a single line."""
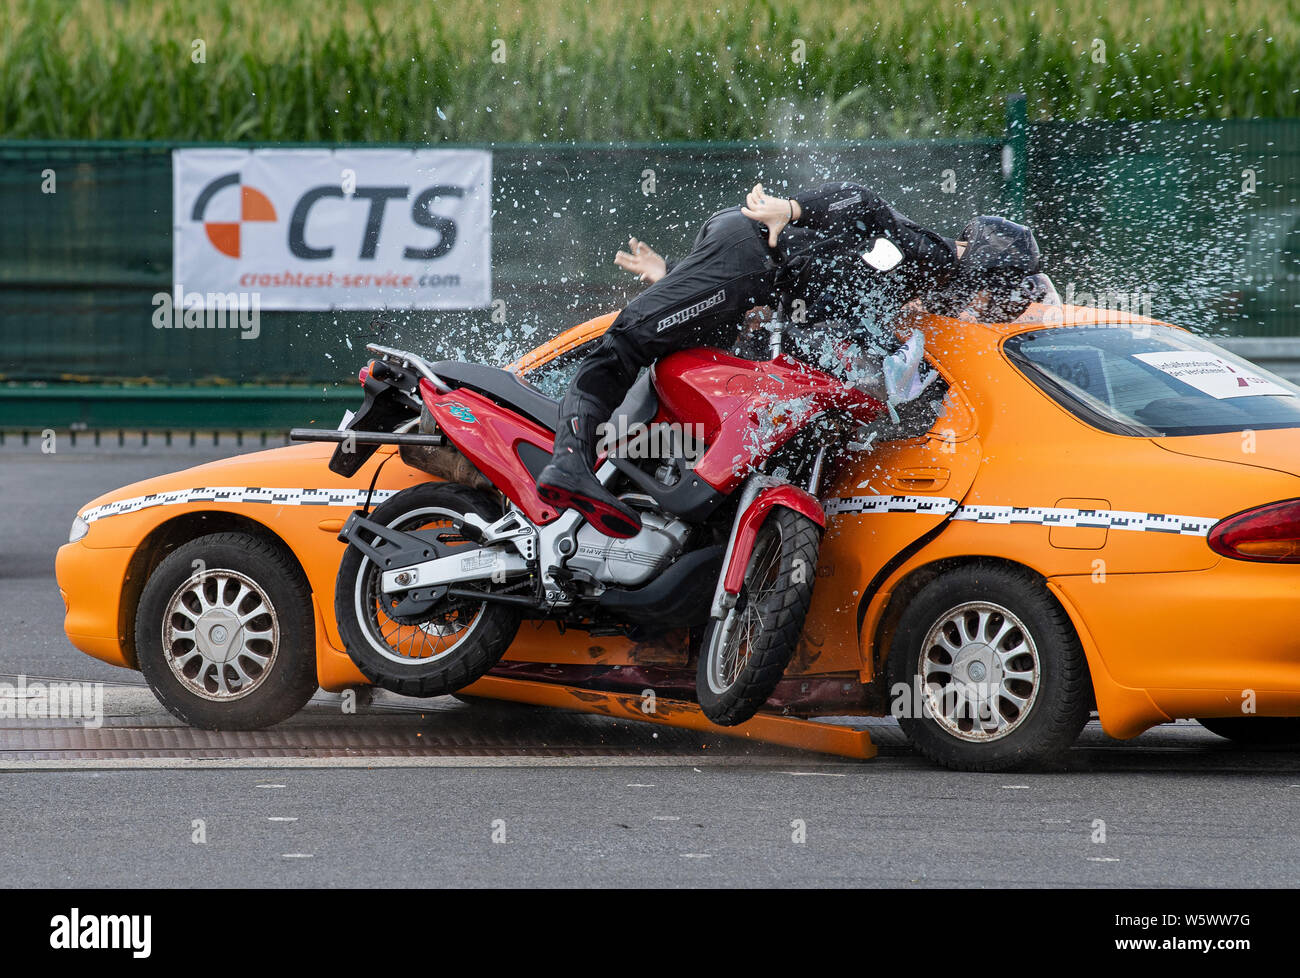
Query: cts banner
{"points": [[334, 229]]}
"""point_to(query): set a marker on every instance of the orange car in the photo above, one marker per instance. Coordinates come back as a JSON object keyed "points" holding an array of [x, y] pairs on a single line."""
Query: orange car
{"points": [[1094, 513]]}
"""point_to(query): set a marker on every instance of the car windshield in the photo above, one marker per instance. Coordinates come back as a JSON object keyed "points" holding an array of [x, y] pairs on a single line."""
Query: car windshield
{"points": [[1145, 379]]}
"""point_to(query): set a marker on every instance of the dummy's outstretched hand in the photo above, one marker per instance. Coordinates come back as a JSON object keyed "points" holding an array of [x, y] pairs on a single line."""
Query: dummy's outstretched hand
{"points": [[774, 212], [642, 261]]}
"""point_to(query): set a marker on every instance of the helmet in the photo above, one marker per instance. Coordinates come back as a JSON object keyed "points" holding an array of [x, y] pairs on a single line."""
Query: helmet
{"points": [[999, 257], [998, 249]]}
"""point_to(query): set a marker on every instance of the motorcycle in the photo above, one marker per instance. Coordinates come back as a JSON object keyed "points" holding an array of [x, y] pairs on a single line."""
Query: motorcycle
{"points": [[721, 456]]}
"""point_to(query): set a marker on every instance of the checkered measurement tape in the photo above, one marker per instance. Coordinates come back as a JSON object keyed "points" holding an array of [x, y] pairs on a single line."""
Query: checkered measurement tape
{"points": [[842, 505], [350, 498], [1109, 519]]}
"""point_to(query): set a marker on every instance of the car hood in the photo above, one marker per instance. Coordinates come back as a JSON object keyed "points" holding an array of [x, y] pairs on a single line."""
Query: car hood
{"points": [[1276, 449]]}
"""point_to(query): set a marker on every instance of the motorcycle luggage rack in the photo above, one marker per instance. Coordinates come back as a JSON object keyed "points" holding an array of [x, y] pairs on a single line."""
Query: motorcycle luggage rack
{"points": [[340, 435], [409, 361]]}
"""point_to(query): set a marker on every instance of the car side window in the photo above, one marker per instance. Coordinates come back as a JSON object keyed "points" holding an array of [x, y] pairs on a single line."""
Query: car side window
{"points": [[1143, 380]]}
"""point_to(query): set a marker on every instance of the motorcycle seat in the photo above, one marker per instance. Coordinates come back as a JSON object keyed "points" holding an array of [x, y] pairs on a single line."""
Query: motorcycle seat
{"points": [[503, 387], [638, 407]]}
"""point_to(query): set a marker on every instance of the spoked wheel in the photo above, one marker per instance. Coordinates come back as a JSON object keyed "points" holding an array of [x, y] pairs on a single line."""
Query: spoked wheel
{"points": [[986, 671], [224, 633], [981, 672], [443, 648], [744, 655]]}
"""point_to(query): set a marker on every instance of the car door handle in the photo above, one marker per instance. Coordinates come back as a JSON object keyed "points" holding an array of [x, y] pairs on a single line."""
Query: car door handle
{"points": [[919, 480]]}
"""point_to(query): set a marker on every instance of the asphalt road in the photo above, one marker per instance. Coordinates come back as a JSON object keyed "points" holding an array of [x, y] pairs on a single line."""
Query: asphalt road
{"points": [[574, 800], [43, 492], [881, 824]]}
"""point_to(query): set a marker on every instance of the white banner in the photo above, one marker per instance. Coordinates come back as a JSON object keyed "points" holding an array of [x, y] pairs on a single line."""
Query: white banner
{"points": [[334, 229]]}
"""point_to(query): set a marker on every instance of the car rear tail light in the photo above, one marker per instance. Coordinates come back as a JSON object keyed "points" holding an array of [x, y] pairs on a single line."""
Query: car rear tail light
{"points": [[1267, 533]]}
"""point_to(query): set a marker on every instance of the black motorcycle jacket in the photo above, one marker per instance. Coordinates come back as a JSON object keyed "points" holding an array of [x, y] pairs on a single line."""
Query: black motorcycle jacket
{"points": [[832, 258]]}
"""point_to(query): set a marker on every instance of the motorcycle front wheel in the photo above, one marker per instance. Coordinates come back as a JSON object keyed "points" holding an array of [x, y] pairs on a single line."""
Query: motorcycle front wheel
{"points": [[744, 654], [449, 646]]}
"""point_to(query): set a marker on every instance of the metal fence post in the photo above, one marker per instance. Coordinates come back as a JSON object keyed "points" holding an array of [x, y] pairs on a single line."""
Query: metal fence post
{"points": [[1015, 157]]}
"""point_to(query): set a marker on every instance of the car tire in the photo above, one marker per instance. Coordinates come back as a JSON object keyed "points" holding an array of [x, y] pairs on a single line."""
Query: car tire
{"points": [[1255, 731], [1017, 689], [249, 659]]}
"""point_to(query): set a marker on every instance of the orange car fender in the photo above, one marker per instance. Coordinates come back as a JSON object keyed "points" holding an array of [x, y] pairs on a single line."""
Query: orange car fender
{"points": [[91, 583], [97, 619], [1233, 645], [1125, 711], [335, 670], [858, 547]]}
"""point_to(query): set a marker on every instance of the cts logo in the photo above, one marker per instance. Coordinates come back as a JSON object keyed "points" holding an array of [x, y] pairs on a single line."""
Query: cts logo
{"points": [[376, 200], [253, 206], [334, 229]]}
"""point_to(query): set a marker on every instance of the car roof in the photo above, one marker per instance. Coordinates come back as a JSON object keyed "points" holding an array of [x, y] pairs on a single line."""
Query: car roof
{"points": [[1036, 317], [557, 346], [1039, 316]]}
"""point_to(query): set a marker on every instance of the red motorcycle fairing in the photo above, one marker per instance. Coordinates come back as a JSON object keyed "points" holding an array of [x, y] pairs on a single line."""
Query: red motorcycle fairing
{"points": [[748, 409], [748, 523], [490, 435]]}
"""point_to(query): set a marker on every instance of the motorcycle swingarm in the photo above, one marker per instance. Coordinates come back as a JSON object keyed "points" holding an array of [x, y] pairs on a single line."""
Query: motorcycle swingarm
{"points": [[416, 560]]}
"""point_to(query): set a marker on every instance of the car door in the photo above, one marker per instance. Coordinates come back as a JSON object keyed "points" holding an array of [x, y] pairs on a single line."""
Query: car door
{"points": [[880, 506]]}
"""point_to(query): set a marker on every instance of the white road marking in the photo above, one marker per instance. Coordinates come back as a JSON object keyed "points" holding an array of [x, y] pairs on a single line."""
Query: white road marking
{"points": [[813, 774]]}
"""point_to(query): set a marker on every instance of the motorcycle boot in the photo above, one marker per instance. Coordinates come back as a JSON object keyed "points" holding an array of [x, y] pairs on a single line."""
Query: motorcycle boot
{"points": [[568, 482]]}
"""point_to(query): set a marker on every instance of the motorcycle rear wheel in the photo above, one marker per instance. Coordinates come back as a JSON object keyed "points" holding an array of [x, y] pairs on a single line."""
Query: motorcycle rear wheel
{"points": [[743, 655], [457, 641]]}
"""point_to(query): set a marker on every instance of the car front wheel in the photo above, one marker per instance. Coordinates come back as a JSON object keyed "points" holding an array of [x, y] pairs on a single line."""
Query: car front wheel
{"points": [[986, 671], [225, 635]]}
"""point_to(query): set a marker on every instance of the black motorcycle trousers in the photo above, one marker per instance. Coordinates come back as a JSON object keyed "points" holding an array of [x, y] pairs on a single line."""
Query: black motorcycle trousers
{"points": [[699, 303]]}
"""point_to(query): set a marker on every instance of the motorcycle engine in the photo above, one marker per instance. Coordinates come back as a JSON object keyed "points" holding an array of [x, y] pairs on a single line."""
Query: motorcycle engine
{"points": [[631, 562]]}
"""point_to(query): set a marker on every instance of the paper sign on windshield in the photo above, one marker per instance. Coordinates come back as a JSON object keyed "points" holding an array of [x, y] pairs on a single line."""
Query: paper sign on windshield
{"points": [[1212, 374]]}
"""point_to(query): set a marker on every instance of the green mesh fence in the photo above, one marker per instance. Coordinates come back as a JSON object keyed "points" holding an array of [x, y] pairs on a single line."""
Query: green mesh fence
{"points": [[79, 268], [1199, 220]]}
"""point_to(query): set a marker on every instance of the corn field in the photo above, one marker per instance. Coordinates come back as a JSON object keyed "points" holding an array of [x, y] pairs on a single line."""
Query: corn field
{"points": [[429, 71]]}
